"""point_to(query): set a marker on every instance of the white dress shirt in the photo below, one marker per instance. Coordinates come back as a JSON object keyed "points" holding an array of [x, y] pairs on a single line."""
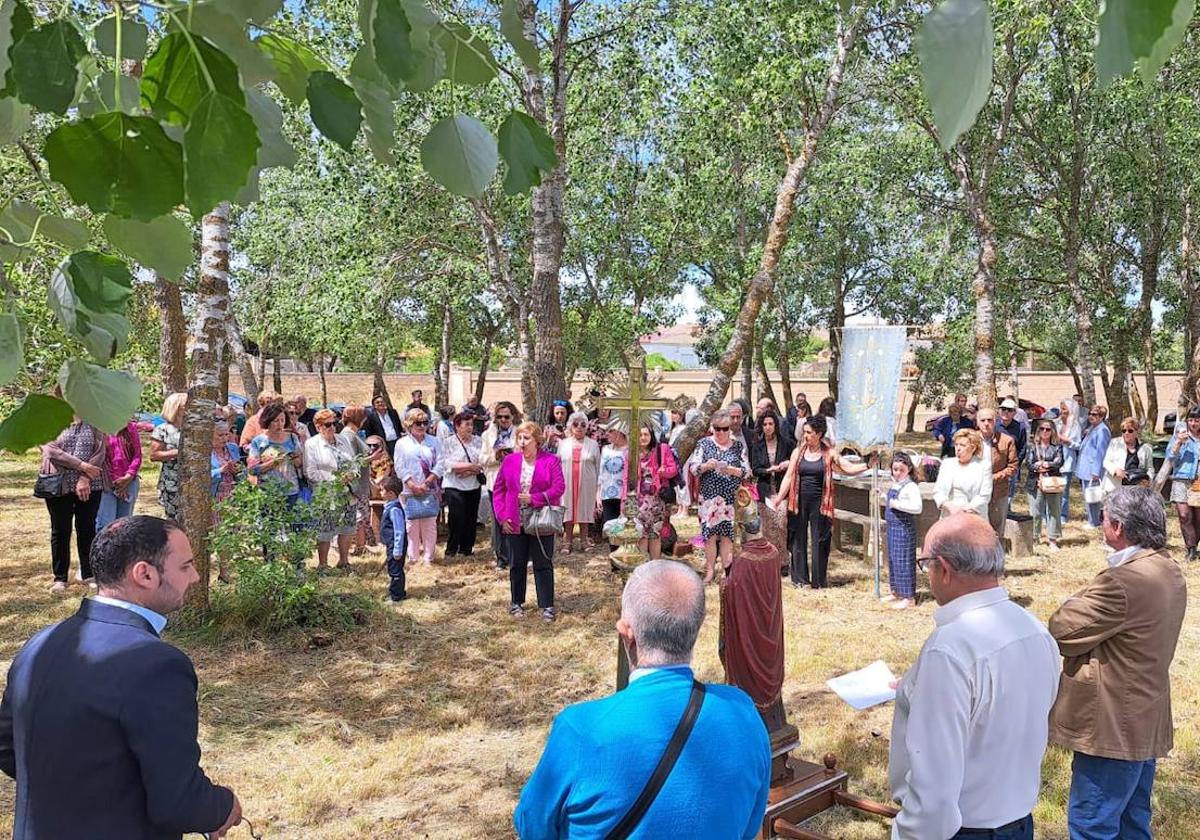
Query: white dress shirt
{"points": [[971, 719]]}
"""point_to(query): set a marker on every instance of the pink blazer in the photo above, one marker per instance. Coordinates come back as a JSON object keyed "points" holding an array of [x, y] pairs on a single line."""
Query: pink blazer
{"points": [[546, 489]]}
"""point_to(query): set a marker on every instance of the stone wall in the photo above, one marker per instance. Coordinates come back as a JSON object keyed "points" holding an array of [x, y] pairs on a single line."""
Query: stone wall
{"points": [[1043, 387]]}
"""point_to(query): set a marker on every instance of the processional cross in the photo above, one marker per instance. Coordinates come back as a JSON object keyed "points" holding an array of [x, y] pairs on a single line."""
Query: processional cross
{"points": [[637, 400]]}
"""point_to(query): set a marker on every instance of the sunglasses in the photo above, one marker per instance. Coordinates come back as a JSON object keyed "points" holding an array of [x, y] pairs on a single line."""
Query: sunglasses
{"points": [[503, 416], [720, 428], [420, 422], [1093, 414], [1129, 431], [373, 446], [330, 425]]}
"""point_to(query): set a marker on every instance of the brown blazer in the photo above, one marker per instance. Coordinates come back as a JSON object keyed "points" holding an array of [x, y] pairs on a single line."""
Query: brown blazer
{"points": [[1004, 458], [1117, 636]]}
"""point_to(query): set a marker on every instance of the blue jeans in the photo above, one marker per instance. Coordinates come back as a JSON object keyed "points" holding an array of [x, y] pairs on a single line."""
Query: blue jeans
{"points": [[1066, 501], [1021, 829], [1110, 798], [111, 508]]}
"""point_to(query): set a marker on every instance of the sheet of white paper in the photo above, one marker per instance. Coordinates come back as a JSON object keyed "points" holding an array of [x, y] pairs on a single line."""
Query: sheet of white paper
{"points": [[865, 687]]}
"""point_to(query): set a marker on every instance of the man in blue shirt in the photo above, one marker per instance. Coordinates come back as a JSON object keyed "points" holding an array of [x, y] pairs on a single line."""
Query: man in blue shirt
{"points": [[99, 718], [600, 754]]}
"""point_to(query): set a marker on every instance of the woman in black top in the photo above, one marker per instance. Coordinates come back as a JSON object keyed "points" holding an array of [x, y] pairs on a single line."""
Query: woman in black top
{"points": [[769, 454]]}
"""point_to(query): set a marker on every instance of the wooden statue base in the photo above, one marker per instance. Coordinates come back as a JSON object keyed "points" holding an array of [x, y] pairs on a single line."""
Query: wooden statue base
{"points": [[806, 789]]}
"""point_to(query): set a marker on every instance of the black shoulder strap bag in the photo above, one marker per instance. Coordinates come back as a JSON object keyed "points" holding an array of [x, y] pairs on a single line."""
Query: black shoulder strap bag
{"points": [[665, 764]]}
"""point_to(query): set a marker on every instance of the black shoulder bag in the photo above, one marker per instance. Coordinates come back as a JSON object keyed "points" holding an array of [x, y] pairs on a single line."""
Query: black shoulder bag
{"points": [[665, 764]]}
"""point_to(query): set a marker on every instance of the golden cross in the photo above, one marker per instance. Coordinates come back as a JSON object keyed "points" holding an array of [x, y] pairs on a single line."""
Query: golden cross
{"points": [[635, 404]]}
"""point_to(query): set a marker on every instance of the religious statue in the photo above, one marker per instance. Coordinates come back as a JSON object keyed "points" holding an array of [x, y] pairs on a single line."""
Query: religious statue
{"points": [[751, 635]]}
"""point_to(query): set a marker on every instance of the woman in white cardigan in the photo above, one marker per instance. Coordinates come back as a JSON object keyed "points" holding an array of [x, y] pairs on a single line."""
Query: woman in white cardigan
{"points": [[964, 482], [1124, 454]]}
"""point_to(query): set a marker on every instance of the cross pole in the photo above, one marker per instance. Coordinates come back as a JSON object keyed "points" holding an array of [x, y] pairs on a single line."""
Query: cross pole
{"points": [[629, 555]]}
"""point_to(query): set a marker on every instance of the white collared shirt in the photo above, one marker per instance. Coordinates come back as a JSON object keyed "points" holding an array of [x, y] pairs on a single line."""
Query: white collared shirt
{"points": [[971, 719], [157, 620], [1120, 558]]}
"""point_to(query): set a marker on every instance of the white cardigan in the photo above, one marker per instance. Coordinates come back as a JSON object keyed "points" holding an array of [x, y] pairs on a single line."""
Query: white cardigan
{"points": [[1114, 459], [967, 484]]}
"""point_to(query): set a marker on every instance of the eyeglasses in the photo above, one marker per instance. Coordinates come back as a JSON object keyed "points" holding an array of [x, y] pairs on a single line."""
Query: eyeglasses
{"points": [[503, 416], [420, 422], [329, 425], [372, 446], [923, 562], [1094, 414], [720, 428], [1129, 431]]}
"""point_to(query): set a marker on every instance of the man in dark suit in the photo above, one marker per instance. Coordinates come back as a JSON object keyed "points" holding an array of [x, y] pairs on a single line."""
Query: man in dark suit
{"points": [[383, 420], [99, 717]]}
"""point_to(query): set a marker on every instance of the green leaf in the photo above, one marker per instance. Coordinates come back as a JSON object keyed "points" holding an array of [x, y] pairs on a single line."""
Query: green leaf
{"points": [[335, 110], [217, 22], [513, 30], [460, 154], [468, 59], [15, 21], [134, 35], [955, 46], [118, 163], [104, 334], [392, 43], [12, 356], [1128, 31], [37, 420], [527, 150], [43, 66], [293, 63], [14, 120], [106, 101], [163, 244], [101, 283], [268, 119], [23, 219], [1181, 18], [105, 398], [379, 111], [174, 79], [219, 149]]}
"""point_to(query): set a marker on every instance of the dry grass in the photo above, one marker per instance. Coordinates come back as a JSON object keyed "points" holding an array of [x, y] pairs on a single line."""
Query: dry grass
{"points": [[427, 722]]}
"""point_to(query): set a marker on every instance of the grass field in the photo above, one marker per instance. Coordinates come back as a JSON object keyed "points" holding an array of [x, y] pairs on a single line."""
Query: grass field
{"points": [[426, 722]]}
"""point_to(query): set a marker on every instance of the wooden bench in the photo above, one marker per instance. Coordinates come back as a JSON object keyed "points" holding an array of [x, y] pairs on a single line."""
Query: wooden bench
{"points": [[844, 517]]}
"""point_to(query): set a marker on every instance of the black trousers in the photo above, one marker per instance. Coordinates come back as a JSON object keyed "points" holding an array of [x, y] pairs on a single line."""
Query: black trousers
{"points": [[521, 548], [64, 509], [609, 509], [811, 526], [395, 570], [462, 516]]}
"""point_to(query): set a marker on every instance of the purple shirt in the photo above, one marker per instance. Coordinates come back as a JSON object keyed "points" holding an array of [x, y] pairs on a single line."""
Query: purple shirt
{"points": [[124, 453]]}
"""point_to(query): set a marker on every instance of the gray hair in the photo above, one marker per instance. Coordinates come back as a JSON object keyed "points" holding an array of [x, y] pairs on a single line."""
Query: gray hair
{"points": [[720, 415], [978, 558], [663, 603], [578, 419], [1139, 512]]}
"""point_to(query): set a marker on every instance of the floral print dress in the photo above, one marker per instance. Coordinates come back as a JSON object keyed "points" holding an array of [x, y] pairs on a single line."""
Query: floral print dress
{"points": [[168, 478], [717, 489]]}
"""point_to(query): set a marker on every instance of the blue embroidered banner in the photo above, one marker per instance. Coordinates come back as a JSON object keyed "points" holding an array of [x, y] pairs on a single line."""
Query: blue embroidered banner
{"points": [[870, 384]]}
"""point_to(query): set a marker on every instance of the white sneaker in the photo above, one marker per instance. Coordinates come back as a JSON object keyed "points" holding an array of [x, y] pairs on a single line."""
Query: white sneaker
{"points": [[1053, 548], [58, 587]]}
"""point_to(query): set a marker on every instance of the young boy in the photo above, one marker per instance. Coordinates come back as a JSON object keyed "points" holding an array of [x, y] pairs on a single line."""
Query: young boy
{"points": [[394, 537]]}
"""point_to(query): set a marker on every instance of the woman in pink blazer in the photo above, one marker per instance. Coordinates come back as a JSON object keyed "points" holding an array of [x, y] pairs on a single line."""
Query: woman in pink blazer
{"points": [[528, 477]]}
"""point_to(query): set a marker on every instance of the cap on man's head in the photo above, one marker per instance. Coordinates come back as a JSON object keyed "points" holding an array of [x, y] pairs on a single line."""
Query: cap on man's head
{"points": [[1008, 404]]}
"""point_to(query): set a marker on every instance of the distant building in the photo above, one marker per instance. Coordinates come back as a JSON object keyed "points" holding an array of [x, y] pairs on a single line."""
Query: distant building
{"points": [[676, 343]]}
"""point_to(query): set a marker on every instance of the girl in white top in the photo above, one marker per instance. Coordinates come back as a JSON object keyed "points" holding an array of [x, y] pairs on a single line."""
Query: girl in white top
{"points": [[964, 482]]}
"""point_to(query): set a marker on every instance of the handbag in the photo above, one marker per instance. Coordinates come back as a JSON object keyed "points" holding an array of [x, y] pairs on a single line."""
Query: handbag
{"points": [[666, 487], [546, 521], [47, 486], [1051, 483], [1093, 494], [654, 784], [421, 507]]}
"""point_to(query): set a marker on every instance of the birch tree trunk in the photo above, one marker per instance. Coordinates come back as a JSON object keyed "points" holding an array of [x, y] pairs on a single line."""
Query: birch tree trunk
{"points": [[485, 359], [195, 445], [748, 368], [764, 375], [1151, 384], [763, 281], [276, 375], [321, 377], [837, 321], [172, 341], [783, 361], [1190, 282], [378, 384]]}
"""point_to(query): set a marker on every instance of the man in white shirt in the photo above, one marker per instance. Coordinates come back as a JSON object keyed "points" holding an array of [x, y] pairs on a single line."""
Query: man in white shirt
{"points": [[971, 715]]}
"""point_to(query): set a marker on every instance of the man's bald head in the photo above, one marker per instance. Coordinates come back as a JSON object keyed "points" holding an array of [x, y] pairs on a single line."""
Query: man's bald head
{"points": [[663, 605], [967, 542]]}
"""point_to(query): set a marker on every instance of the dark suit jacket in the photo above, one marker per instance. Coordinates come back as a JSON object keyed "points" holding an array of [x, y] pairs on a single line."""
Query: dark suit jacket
{"points": [[374, 426], [768, 483], [98, 727]]}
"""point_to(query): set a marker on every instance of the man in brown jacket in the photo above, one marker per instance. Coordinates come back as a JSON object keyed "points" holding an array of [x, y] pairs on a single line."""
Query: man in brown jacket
{"points": [[1117, 637], [1004, 466]]}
